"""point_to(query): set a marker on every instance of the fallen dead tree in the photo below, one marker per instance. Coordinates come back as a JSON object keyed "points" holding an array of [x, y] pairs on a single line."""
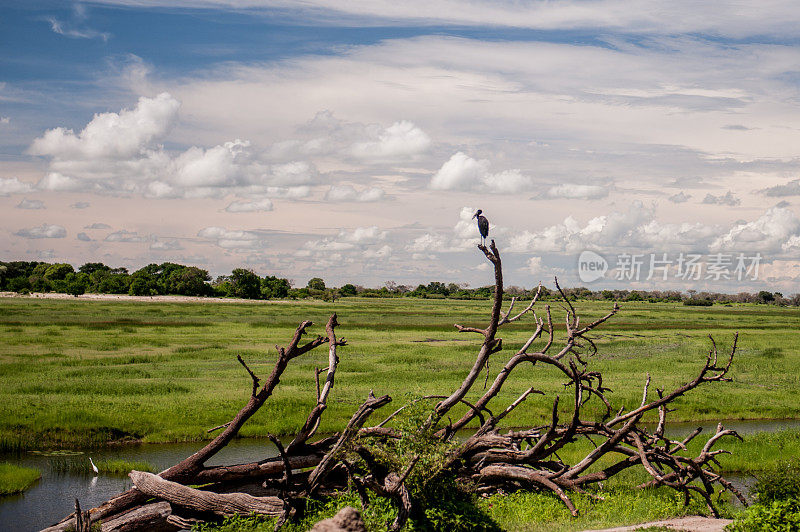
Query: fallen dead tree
{"points": [[396, 461]]}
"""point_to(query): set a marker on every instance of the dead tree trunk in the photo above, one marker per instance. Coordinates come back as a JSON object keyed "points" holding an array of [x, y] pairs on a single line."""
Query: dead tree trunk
{"points": [[368, 458]]}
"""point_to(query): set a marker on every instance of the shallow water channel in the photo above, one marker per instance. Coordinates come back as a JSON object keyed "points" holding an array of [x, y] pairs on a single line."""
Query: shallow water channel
{"points": [[53, 496]]}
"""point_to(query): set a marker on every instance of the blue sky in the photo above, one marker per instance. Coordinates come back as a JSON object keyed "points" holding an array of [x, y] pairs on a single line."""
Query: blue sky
{"points": [[355, 139]]}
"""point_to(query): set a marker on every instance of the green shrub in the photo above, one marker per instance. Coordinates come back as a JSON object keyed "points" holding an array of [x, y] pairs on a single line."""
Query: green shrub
{"points": [[777, 504], [779, 483], [774, 516]]}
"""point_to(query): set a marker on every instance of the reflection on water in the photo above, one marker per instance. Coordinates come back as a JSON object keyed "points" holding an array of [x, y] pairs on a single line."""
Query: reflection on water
{"points": [[54, 495]]}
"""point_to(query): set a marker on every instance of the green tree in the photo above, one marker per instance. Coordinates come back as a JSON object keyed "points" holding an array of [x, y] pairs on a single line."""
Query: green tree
{"points": [[19, 268], [331, 294], [76, 283], [113, 284], [58, 271], [40, 269], [245, 284], [274, 288], [435, 287], [38, 283], [316, 283], [348, 290], [18, 284], [188, 281], [166, 275], [142, 284], [91, 267]]}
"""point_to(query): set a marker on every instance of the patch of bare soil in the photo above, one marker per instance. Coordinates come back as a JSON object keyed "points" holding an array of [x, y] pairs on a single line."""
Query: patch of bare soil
{"points": [[684, 524]]}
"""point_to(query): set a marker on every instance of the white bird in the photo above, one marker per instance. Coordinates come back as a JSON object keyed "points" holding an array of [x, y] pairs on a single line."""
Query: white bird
{"points": [[94, 467]]}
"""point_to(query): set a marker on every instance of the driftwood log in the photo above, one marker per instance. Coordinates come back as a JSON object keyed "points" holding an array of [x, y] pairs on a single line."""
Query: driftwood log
{"points": [[489, 461]]}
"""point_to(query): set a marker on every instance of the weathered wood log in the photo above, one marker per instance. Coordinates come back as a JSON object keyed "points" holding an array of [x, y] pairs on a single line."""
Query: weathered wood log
{"points": [[183, 523], [149, 517], [254, 470], [224, 504], [83, 520]]}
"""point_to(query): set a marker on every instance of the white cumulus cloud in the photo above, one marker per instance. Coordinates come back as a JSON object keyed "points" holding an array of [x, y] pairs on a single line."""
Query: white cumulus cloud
{"points": [[112, 135], [292, 174], [58, 182], [366, 242], [574, 191], [126, 236], [166, 245], [401, 139], [776, 228], [462, 172], [723, 199], [233, 239], [215, 166], [12, 185], [43, 231]]}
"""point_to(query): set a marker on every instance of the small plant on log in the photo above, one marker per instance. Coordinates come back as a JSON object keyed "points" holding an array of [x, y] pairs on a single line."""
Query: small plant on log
{"points": [[413, 455]]}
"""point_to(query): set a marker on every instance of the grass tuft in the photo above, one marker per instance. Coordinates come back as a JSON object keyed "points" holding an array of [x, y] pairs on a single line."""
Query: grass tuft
{"points": [[123, 467], [16, 479]]}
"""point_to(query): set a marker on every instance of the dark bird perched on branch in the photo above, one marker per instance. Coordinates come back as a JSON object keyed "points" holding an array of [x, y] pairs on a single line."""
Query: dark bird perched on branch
{"points": [[483, 226]]}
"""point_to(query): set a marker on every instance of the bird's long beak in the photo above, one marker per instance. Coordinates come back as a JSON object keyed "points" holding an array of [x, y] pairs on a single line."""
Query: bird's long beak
{"points": [[474, 215]]}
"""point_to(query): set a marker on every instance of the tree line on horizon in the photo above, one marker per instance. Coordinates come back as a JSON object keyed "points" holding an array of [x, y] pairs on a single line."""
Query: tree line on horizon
{"points": [[170, 278]]}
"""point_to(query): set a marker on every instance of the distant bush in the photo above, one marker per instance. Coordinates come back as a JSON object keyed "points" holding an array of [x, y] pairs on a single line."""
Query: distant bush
{"points": [[698, 302]]}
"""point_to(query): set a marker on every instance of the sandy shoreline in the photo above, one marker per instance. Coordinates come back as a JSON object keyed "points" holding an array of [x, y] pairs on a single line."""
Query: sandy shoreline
{"points": [[140, 299]]}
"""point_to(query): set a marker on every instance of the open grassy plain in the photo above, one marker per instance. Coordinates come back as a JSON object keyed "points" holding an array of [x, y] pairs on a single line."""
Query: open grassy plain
{"points": [[77, 372]]}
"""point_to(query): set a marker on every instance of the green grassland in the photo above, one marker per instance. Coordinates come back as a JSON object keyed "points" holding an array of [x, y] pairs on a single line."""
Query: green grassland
{"points": [[16, 479], [88, 372]]}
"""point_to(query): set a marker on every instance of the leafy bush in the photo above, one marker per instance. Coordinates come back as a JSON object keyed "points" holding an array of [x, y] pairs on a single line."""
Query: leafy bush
{"points": [[775, 516], [779, 483], [442, 504], [777, 504]]}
